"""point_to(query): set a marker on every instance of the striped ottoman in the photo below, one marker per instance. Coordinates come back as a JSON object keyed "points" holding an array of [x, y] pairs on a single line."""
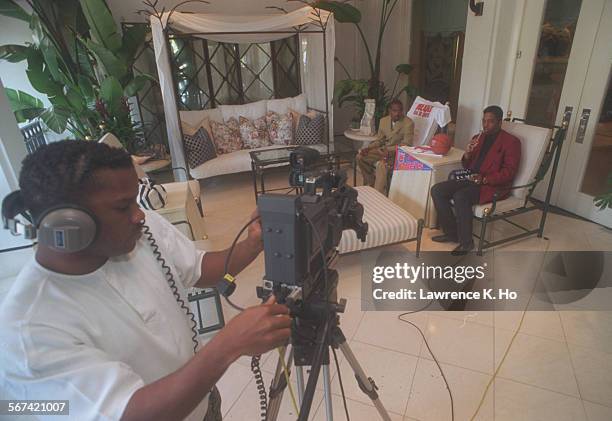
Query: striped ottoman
{"points": [[388, 223]]}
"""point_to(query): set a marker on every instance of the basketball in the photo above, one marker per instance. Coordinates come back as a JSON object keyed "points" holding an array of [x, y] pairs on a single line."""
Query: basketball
{"points": [[440, 144]]}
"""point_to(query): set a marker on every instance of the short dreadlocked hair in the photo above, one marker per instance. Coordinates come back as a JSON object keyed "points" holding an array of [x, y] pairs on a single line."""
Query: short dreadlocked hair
{"points": [[60, 172]]}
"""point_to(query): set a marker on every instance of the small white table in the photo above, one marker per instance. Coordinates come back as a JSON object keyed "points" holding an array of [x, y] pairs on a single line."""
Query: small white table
{"points": [[181, 210], [411, 189], [358, 137]]}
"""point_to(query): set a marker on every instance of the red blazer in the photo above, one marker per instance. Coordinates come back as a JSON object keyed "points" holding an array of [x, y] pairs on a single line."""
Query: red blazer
{"points": [[499, 166]]}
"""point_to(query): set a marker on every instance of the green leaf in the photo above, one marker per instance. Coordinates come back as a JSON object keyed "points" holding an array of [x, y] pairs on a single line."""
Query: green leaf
{"points": [[112, 64], [52, 64], [13, 53], [404, 68], [39, 77], [343, 12], [75, 99], [111, 93], [102, 25], [86, 87], [56, 119], [135, 85], [36, 27], [133, 39], [25, 106], [11, 9]]}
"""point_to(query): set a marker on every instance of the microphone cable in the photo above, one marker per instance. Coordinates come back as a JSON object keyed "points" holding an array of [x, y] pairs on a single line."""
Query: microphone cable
{"points": [[172, 284]]}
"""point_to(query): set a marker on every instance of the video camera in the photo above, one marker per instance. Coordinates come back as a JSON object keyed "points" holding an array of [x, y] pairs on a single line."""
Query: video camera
{"points": [[301, 232]]}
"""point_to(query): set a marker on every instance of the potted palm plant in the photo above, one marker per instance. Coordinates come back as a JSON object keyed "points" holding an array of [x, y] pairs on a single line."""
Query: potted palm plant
{"points": [[82, 63], [353, 90]]}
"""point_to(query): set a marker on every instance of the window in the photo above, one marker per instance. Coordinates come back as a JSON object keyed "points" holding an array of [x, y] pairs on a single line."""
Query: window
{"points": [[208, 73]]}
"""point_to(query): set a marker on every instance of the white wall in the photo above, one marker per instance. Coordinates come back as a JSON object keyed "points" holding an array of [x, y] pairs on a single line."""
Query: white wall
{"points": [[488, 63]]}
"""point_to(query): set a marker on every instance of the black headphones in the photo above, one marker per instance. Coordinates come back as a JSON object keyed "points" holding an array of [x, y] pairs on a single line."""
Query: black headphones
{"points": [[65, 228]]}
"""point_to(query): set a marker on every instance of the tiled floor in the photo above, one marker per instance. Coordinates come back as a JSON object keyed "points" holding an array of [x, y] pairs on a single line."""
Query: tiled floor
{"points": [[558, 366]]}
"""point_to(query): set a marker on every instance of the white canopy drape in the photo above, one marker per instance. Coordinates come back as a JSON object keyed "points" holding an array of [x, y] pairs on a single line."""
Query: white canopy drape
{"points": [[316, 55]]}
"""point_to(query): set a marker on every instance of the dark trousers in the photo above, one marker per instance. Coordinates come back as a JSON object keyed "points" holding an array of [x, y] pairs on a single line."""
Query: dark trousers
{"points": [[464, 194]]}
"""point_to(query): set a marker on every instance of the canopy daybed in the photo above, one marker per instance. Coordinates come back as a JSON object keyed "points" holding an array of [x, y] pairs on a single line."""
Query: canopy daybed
{"points": [[314, 27]]}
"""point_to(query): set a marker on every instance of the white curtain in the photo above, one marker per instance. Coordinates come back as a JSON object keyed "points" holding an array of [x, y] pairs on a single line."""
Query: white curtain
{"points": [[249, 29]]}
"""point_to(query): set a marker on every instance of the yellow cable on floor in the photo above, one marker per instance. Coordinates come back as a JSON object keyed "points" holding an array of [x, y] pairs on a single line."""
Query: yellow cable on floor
{"points": [[518, 329], [499, 366], [281, 352]]}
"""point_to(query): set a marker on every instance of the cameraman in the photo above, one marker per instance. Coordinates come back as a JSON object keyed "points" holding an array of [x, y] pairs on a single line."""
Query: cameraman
{"points": [[101, 327]]}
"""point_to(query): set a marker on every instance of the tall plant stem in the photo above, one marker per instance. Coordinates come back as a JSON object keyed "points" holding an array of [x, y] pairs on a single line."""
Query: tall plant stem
{"points": [[344, 68], [367, 47]]}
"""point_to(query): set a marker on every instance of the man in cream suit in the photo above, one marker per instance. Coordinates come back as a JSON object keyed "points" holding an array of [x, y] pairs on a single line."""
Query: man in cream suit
{"points": [[394, 129]]}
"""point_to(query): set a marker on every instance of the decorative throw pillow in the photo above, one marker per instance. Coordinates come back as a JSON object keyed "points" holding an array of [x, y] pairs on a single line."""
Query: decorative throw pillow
{"points": [[226, 136], [310, 131], [151, 195], [295, 116], [280, 128], [190, 130], [199, 148], [254, 133]]}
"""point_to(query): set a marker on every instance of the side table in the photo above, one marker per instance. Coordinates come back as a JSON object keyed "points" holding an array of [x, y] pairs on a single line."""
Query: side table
{"points": [[411, 189], [362, 140]]}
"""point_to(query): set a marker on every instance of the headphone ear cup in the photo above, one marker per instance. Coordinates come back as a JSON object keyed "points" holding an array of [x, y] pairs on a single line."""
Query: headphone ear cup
{"points": [[67, 229]]}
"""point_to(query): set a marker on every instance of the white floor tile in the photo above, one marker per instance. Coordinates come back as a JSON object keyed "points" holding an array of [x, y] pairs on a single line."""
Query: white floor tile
{"points": [[515, 401], [430, 400], [597, 412], [540, 362], [232, 384], [465, 344], [592, 329], [594, 373]]}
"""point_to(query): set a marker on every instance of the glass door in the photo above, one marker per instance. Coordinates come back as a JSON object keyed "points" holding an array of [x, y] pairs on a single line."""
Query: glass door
{"points": [[588, 165]]}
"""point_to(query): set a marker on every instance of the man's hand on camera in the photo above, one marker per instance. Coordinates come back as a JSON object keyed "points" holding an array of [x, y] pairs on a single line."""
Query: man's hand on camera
{"points": [[259, 329]]}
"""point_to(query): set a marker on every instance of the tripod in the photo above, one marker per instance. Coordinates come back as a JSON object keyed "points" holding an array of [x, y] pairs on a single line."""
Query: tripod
{"points": [[329, 335]]}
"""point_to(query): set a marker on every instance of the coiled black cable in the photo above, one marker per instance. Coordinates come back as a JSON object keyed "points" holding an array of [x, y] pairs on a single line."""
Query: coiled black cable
{"points": [[261, 387], [172, 284]]}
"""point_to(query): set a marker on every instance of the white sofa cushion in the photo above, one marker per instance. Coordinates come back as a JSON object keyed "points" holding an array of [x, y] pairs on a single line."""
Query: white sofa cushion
{"points": [[194, 118], [387, 222], [282, 106], [251, 111], [501, 206]]}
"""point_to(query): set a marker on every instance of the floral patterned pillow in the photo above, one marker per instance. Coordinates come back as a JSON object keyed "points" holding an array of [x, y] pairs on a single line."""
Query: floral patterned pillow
{"points": [[280, 128], [226, 136], [254, 133]]}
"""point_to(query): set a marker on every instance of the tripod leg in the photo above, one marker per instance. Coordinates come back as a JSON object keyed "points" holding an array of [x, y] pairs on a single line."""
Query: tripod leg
{"points": [[299, 371], [277, 388], [366, 384], [327, 393]]}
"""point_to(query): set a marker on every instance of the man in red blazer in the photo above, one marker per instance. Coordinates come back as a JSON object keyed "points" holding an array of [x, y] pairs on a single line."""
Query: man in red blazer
{"points": [[493, 158]]}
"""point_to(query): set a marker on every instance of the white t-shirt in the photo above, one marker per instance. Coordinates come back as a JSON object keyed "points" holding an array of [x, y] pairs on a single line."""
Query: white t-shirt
{"points": [[95, 339], [427, 117]]}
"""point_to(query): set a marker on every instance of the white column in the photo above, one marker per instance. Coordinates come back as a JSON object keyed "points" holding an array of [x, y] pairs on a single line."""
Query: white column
{"points": [[12, 152]]}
